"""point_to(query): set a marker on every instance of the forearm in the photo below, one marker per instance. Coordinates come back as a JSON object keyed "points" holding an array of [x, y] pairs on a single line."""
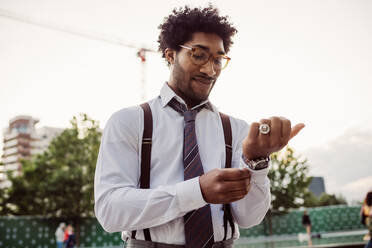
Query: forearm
{"points": [[127, 208]]}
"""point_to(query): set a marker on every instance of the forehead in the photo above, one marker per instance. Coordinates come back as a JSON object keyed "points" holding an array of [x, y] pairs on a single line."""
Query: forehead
{"points": [[211, 41]]}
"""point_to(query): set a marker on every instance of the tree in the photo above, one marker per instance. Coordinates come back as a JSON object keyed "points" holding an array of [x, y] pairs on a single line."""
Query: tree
{"points": [[324, 200], [289, 183], [58, 182], [2, 193], [289, 180]]}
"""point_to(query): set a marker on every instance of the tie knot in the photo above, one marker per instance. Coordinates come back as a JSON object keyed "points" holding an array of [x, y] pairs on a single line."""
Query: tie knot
{"points": [[177, 106], [190, 115]]}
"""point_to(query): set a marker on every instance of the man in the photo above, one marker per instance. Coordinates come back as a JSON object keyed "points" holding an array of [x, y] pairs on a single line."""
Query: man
{"points": [[184, 205]]}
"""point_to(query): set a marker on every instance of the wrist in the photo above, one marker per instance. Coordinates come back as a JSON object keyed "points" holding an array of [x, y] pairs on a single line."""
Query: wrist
{"points": [[254, 156], [257, 163]]}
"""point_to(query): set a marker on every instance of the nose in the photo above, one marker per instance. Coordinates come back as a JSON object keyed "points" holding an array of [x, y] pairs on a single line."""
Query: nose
{"points": [[208, 69]]}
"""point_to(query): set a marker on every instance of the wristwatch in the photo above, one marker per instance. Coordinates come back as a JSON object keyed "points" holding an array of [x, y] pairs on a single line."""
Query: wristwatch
{"points": [[257, 164]]}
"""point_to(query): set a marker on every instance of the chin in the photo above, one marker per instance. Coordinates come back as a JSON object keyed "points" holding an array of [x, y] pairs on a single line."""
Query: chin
{"points": [[200, 98], [203, 95], [200, 94]]}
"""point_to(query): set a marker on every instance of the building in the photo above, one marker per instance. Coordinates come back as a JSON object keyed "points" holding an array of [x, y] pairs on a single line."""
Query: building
{"points": [[22, 140], [317, 186]]}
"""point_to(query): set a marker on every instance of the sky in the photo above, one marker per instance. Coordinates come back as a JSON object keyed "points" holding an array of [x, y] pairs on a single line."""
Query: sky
{"points": [[309, 61]]}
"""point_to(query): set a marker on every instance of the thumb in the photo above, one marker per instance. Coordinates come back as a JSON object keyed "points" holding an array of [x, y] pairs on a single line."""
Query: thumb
{"points": [[296, 129]]}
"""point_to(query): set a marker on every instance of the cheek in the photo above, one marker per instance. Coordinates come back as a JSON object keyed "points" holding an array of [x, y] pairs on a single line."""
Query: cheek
{"points": [[187, 75], [187, 67]]}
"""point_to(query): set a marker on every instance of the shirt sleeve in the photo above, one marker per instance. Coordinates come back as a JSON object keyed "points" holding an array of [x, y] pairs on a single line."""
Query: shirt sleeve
{"points": [[250, 210], [120, 205]]}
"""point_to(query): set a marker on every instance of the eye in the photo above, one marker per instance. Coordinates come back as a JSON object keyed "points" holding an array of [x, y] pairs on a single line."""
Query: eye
{"points": [[218, 60], [199, 56]]}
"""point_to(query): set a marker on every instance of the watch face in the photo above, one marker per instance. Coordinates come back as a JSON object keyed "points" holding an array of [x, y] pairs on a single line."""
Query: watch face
{"points": [[257, 164], [261, 165]]}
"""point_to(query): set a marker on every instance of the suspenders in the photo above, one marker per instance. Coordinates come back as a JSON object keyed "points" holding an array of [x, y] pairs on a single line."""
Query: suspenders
{"points": [[227, 216], [146, 162], [146, 157]]}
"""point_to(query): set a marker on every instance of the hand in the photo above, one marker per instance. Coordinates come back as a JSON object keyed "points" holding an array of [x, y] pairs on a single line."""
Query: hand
{"points": [[221, 186], [258, 145]]}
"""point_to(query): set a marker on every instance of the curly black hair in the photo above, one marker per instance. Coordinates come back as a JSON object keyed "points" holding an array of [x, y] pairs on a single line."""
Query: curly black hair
{"points": [[179, 26], [369, 198]]}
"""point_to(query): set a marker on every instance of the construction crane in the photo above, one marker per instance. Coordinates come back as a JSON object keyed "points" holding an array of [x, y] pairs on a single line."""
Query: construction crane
{"points": [[142, 55], [141, 51]]}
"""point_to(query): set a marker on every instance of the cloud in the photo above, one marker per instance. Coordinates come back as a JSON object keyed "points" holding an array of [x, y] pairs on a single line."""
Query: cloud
{"points": [[357, 185], [345, 163]]}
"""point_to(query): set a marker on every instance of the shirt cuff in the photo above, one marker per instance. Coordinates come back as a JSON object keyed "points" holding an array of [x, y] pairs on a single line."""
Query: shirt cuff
{"points": [[189, 195], [257, 176]]}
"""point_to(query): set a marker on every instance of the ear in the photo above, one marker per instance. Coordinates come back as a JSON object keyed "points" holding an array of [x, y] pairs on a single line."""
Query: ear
{"points": [[170, 55]]}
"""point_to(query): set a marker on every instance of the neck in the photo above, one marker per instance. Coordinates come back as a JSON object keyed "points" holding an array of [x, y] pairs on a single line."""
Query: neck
{"points": [[189, 102]]}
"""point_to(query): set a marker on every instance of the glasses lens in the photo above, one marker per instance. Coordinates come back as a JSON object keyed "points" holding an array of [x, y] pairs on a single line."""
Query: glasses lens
{"points": [[199, 56], [220, 62]]}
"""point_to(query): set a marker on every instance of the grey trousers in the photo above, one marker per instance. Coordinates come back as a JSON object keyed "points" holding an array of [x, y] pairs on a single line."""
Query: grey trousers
{"points": [[135, 243]]}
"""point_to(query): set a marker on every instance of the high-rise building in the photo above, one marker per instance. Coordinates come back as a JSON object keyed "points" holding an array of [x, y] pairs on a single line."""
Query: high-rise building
{"points": [[22, 140], [317, 186]]}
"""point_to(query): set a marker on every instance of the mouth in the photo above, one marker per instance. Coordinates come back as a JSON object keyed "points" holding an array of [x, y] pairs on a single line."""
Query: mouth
{"points": [[203, 80]]}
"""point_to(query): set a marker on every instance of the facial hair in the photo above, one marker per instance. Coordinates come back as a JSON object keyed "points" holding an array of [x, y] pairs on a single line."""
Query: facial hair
{"points": [[184, 88]]}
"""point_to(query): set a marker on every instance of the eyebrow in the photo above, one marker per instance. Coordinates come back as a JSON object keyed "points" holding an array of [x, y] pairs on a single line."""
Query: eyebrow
{"points": [[207, 49]]}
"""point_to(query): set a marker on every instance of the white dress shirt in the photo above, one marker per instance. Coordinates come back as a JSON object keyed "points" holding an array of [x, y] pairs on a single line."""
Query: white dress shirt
{"points": [[120, 205]]}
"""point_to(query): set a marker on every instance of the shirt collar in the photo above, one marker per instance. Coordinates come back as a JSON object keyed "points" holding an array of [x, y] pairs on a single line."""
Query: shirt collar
{"points": [[166, 94]]}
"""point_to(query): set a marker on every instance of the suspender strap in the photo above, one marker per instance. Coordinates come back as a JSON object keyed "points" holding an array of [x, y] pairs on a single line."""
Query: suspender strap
{"points": [[146, 147], [146, 157], [228, 138], [227, 216]]}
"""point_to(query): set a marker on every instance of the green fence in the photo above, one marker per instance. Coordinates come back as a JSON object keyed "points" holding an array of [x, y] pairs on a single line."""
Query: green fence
{"points": [[27, 232], [324, 219], [34, 232]]}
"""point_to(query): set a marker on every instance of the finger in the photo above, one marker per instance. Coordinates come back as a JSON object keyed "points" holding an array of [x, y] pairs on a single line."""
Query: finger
{"points": [[265, 121], [248, 187], [233, 174], [234, 200], [276, 129], [234, 196], [264, 139], [253, 131], [248, 184], [237, 197], [296, 129], [231, 186], [286, 127]]}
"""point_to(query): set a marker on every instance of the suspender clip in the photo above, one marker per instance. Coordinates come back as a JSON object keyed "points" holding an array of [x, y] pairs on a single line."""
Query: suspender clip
{"points": [[147, 141]]}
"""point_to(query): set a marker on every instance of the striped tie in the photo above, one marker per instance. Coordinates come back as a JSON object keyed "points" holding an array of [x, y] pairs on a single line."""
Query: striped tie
{"points": [[198, 223]]}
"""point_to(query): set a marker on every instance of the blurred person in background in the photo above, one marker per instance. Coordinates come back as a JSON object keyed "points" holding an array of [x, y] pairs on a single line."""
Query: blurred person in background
{"points": [[60, 235], [363, 216], [306, 222], [71, 240], [367, 212], [65, 238]]}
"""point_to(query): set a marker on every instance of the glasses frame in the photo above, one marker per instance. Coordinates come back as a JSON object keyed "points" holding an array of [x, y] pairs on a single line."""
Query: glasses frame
{"points": [[192, 49]]}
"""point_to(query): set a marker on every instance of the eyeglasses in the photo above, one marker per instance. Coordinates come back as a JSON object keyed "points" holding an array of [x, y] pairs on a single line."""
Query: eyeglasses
{"points": [[199, 56]]}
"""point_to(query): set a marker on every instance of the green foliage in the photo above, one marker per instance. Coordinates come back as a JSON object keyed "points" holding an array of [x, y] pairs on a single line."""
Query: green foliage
{"points": [[2, 201], [323, 200], [59, 182], [289, 180]]}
